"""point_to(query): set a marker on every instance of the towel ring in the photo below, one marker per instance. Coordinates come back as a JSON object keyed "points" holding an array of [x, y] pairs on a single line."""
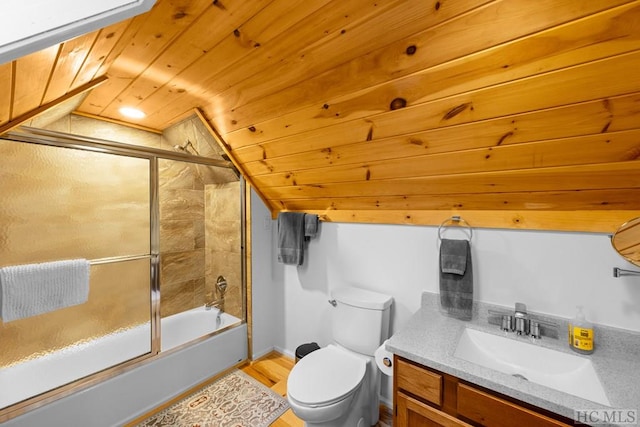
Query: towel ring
{"points": [[455, 220]]}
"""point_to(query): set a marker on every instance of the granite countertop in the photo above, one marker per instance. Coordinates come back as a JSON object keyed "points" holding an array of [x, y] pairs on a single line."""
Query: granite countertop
{"points": [[430, 338]]}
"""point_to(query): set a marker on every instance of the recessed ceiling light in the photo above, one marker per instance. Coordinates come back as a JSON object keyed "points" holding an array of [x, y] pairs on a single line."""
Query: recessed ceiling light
{"points": [[132, 113]]}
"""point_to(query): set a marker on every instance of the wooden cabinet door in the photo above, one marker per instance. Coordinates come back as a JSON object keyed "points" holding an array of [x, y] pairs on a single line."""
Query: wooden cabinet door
{"points": [[413, 413], [488, 410]]}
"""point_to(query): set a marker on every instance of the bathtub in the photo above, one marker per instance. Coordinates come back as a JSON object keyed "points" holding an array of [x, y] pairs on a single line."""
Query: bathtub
{"points": [[187, 326], [194, 347]]}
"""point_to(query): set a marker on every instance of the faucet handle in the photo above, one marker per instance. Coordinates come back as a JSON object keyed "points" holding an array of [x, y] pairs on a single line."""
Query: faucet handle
{"points": [[535, 330], [522, 325], [507, 323]]}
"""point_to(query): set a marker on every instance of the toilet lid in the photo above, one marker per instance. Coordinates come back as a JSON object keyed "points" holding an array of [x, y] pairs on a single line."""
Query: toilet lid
{"points": [[325, 376]]}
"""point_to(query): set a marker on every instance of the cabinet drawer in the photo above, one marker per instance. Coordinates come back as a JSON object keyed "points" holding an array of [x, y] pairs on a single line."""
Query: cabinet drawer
{"points": [[488, 410], [419, 381], [413, 413]]}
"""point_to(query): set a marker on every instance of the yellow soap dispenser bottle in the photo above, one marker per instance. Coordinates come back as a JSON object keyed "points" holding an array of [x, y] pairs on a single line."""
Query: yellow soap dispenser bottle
{"points": [[581, 337]]}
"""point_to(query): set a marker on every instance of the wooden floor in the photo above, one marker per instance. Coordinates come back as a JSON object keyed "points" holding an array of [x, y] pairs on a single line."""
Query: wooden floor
{"points": [[272, 370]]}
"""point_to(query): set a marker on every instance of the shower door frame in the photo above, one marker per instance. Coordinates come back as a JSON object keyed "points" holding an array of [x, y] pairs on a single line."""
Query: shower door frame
{"points": [[57, 139]]}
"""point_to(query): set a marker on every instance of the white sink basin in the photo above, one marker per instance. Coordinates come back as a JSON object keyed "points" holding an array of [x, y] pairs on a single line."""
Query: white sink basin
{"points": [[561, 371]]}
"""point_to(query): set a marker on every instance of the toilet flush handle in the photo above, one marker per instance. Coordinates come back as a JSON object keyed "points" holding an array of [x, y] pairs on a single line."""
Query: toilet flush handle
{"points": [[333, 302]]}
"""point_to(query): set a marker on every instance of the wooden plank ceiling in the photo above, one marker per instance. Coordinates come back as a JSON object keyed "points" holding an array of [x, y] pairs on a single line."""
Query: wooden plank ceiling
{"points": [[510, 113]]}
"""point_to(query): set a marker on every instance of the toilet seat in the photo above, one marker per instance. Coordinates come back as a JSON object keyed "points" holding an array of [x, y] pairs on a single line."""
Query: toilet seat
{"points": [[325, 376]]}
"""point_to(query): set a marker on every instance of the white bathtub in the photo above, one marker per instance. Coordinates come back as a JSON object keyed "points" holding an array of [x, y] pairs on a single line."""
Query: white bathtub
{"points": [[187, 326], [141, 388]]}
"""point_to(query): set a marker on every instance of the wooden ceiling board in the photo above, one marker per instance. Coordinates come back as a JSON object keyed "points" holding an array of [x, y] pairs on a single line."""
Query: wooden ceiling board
{"points": [[324, 23], [104, 44], [71, 58], [582, 220], [593, 149], [511, 113], [562, 122], [157, 30], [336, 144], [541, 201], [26, 118], [6, 91], [564, 178], [101, 95], [579, 83], [383, 69], [170, 102], [549, 50], [31, 78], [187, 48], [400, 19]]}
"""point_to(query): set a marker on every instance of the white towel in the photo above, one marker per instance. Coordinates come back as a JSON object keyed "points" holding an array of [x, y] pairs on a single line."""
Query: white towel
{"points": [[32, 289]]}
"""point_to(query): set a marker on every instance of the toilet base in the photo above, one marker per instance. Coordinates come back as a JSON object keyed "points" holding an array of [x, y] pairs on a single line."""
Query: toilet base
{"points": [[360, 409], [361, 423], [351, 420], [359, 414]]}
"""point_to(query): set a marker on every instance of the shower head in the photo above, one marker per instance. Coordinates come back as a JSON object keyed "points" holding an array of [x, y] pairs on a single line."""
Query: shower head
{"points": [[185, 148]]}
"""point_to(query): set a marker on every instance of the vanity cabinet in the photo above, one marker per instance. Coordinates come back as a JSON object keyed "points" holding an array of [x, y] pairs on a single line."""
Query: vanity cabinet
{"points": [[425, 398]]}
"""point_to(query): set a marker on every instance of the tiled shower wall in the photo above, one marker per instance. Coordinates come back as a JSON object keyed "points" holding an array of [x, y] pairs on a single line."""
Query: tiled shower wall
{"points": [[223, 250], [182, 237], [193, 252]]}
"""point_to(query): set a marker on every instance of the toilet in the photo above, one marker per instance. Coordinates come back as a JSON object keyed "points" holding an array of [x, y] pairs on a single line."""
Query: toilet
{"points": [[339, 385]]}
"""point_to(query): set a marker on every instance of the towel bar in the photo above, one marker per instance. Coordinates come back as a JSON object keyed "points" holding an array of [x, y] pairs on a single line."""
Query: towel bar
{"points": [[619, 272], [455, 220], [118, 259]]}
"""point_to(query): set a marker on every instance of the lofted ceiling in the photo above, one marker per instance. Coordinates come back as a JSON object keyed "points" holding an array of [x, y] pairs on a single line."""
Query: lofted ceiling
{"points": [[510, 113]]}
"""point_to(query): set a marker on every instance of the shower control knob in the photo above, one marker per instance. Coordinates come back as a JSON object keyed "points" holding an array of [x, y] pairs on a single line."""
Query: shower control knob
{"points": [[221, 284]]}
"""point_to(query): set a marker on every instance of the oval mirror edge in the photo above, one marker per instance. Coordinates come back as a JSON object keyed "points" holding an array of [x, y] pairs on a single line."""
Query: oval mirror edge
{"points": [[629, 240]]}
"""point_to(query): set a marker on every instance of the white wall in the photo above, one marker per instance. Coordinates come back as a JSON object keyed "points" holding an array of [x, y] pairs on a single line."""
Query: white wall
{"points": [[267, 299], [551, 272]]}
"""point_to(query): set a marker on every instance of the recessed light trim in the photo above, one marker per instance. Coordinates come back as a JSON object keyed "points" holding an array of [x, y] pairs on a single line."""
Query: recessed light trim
{"points": [[132, 113]]}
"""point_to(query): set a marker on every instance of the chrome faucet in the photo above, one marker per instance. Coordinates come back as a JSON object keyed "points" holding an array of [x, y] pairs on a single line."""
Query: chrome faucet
{"points": [[522, 323], [522, 319]]}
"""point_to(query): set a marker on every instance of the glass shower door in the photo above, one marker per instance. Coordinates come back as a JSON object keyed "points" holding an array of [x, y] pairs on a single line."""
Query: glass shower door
{"points": [[59, 204], [200, 240]]}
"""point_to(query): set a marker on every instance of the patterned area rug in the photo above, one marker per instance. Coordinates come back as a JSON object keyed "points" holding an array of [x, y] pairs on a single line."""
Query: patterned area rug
{"points": [[235, 400]]}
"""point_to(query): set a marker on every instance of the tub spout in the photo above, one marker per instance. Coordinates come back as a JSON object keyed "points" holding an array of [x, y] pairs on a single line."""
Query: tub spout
{"points": [[219, 304]]}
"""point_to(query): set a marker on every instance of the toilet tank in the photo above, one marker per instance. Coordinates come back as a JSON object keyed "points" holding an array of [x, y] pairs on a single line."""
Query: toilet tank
{"points": [[360, 319]]}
